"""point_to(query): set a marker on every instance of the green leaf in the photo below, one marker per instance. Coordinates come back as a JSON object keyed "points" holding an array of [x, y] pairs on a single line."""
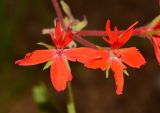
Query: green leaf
{"points": [[125, 72], [45, 45], [66, 9], [48, 64], [107, 71], [40, 94], [80, 25]]}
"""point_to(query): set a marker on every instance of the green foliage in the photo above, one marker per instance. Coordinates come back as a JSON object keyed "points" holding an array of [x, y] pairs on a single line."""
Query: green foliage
{"points": [[80, 25], [40, 94], [46, 45]]}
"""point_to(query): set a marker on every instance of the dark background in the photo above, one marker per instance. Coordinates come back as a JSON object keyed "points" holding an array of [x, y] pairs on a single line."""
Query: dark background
{"points": [[21, 22]]}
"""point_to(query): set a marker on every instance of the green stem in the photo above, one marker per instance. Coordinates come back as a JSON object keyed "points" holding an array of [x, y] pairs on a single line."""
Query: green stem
{"points": [[70, 100]]}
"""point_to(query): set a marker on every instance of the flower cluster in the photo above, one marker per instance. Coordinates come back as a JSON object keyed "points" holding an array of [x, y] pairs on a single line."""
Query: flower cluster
{"points": [[95, 57]]}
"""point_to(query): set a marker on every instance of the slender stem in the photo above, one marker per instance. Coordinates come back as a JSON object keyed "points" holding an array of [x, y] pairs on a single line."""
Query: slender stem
{"points": [[70, 100], [91, 33], [84, 42], [137, 31], [59, 12]]}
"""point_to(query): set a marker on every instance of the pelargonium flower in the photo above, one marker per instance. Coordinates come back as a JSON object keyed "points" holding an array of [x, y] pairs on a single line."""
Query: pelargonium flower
{"points": [[152, 31], [57, 57], [115, 56]]}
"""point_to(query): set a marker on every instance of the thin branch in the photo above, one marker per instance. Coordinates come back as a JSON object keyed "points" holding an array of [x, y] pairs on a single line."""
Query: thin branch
{"points": [[137, 31], [84, 42], [59, 12], [91, 33]]}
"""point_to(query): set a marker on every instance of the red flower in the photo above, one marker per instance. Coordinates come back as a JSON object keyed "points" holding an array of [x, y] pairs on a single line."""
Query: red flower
{"points": [[114, 57], [60, 71], [152, 31]]}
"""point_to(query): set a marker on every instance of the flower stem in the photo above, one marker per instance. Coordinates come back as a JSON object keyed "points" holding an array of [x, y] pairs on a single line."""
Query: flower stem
{"points": [[136, 31], [70, 100], [59, 12], [84, 42]]}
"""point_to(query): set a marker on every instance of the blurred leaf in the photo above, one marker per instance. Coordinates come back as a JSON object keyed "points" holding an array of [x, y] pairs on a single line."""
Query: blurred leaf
{"points": [[40, 94], [66, 9], [80, 25]]}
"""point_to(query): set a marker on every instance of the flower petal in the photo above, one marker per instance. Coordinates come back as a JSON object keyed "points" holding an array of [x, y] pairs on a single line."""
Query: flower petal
{"points": [[117, 67], [60, 74], [123, 39], [126, 35], [132, 57], [81, 54], [58, 33], [67, 38], [156, 45], [109, 33], [36, 57], [100, 60]]}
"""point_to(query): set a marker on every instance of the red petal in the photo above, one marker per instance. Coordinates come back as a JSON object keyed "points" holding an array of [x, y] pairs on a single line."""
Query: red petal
{"points": [[60, 74], [126, 35], [117, 67], [99, 61], [115, 33], [109, 33], [132, 57], [156, 45], [67, 38], [58, 33], [123, 39], [108, 41], [80, 54], [36, 57]]}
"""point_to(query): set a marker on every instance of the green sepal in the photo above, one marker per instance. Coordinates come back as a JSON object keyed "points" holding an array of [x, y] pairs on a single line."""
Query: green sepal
{"points": [[68, 66], [125, 72], [66, 21], [66, 9], [40, 94], [154, 32], [46, 45], [80, 25], [107, 71], [47, 65], [154, 21]]}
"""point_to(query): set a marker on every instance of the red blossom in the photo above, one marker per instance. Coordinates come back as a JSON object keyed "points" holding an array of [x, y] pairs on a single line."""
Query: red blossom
{"points": [[60, 71], [152, 31], [114, 57], [156, 39]]}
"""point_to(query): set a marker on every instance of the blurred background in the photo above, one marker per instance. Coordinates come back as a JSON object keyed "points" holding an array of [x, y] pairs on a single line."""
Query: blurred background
{"points": [[21, 22]]}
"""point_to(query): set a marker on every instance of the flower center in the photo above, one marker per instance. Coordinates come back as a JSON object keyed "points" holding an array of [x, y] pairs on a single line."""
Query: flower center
{"points": [[59, 51], [114, 54]]}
